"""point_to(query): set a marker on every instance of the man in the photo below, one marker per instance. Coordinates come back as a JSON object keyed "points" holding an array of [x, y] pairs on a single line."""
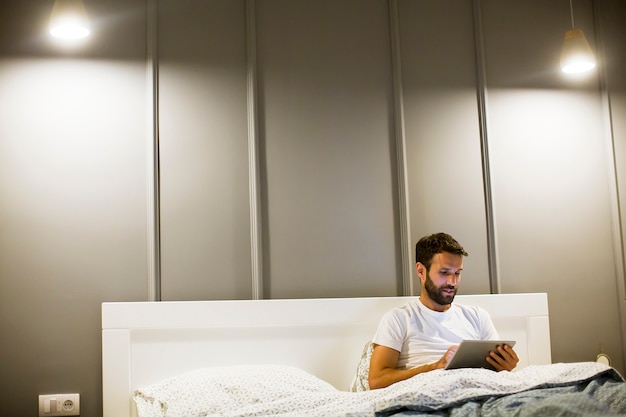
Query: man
{"points": [[424, 335]]}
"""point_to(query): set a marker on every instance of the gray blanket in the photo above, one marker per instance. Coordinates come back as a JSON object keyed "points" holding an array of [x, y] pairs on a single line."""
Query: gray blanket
{"points": [[602, 395]]}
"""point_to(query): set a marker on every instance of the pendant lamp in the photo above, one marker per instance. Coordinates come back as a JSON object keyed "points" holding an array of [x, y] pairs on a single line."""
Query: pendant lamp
{"points": [[69, 20], [576, 55]]}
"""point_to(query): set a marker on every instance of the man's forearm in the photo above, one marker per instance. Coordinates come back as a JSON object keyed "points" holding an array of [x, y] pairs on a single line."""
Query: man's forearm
{"points": [[387, 376]]}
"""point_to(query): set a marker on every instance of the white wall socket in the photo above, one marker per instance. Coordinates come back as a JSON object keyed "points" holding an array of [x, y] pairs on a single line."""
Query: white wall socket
{"points": [[59, 405]]}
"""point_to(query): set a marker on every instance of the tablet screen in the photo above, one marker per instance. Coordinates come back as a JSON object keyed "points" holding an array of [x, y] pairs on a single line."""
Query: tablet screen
{"points": [[473, 353]]}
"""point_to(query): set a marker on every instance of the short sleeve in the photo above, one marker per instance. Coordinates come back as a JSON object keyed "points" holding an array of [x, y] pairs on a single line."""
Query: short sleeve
{"points": [[391, 330]]}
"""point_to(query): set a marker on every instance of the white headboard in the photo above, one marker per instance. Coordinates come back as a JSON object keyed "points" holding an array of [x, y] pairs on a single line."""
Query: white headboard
{"points": [[145, 342]]}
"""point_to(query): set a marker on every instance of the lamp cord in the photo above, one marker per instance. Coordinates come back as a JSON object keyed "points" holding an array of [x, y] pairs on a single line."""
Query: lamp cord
{"points": [[571, 10]]}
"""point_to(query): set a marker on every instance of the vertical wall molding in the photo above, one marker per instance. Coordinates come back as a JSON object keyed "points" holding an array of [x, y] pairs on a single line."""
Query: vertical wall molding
{"points": [[609, 138], [253, 153], [152, 147], [481, 94], [400, 138]]}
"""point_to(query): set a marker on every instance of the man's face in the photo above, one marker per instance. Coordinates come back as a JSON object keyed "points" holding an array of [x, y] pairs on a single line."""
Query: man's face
{"points": [[442, 280]]}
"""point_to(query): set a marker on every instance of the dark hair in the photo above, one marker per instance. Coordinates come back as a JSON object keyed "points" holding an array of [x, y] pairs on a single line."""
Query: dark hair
{"points": [[428, 246]]}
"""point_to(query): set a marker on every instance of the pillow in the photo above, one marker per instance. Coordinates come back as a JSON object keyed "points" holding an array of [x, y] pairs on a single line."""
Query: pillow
{"points": [[360, 381], [220, 390]]}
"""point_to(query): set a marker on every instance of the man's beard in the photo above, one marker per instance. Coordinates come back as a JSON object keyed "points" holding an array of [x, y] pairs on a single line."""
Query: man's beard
{"points": [[436, 294]]}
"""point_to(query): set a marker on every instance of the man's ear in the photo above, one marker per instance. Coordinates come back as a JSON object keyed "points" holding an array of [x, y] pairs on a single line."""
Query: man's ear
{"points": [[420, 270]]}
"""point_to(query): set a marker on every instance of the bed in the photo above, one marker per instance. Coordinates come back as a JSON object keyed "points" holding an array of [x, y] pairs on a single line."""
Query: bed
{"points": [[304, 357]]}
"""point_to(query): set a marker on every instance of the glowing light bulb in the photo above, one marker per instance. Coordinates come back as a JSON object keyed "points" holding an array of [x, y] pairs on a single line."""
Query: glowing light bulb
{"points": [[576, 56], [69, 20]]}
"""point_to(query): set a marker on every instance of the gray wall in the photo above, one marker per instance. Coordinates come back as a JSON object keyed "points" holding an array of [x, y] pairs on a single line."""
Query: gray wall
{"points": [[551, 178], [73, 174], [75, 170]]}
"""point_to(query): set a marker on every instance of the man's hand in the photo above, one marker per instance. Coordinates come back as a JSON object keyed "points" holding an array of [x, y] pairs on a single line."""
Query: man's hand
{"points": [[446, 358], [505, 359]]}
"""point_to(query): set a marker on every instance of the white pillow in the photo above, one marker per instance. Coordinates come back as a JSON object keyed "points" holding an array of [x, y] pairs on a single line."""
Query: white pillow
{"points": [[360, 381], [220, 390]]}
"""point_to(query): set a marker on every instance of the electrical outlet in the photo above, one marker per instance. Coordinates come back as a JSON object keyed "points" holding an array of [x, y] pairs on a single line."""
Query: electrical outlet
{"points": [[59, 405]]}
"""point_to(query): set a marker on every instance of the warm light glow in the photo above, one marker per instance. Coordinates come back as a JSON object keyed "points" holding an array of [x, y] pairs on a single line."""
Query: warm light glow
{"points": [[577, 66], [69, 31], [69, 20], [576, 56]]}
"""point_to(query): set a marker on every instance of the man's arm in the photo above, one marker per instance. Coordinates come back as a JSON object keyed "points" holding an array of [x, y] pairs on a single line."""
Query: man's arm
{"points": [[383, 366]]}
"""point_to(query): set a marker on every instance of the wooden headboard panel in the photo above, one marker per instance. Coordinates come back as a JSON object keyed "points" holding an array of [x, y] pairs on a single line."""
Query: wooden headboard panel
{"points": [[145, 342]]}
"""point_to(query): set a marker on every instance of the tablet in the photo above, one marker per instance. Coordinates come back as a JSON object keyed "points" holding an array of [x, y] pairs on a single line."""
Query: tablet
{"points": [[473, 353]]}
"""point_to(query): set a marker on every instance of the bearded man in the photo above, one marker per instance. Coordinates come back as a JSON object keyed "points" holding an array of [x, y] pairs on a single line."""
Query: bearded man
{"points": [[423, 335]]}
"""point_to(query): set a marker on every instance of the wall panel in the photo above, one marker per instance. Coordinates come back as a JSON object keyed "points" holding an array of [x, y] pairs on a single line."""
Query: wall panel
{"points": [[610, 17], [550, 169], [72, 196], [442, 133], [205, 210], [330, 226]]}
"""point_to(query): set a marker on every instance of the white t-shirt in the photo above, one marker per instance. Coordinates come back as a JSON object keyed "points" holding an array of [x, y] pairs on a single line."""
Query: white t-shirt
{"points": [[422, 335]]}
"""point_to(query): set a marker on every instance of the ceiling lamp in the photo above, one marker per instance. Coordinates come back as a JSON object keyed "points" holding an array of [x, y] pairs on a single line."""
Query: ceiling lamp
{"points": [[69, 20], [576, 55]]}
